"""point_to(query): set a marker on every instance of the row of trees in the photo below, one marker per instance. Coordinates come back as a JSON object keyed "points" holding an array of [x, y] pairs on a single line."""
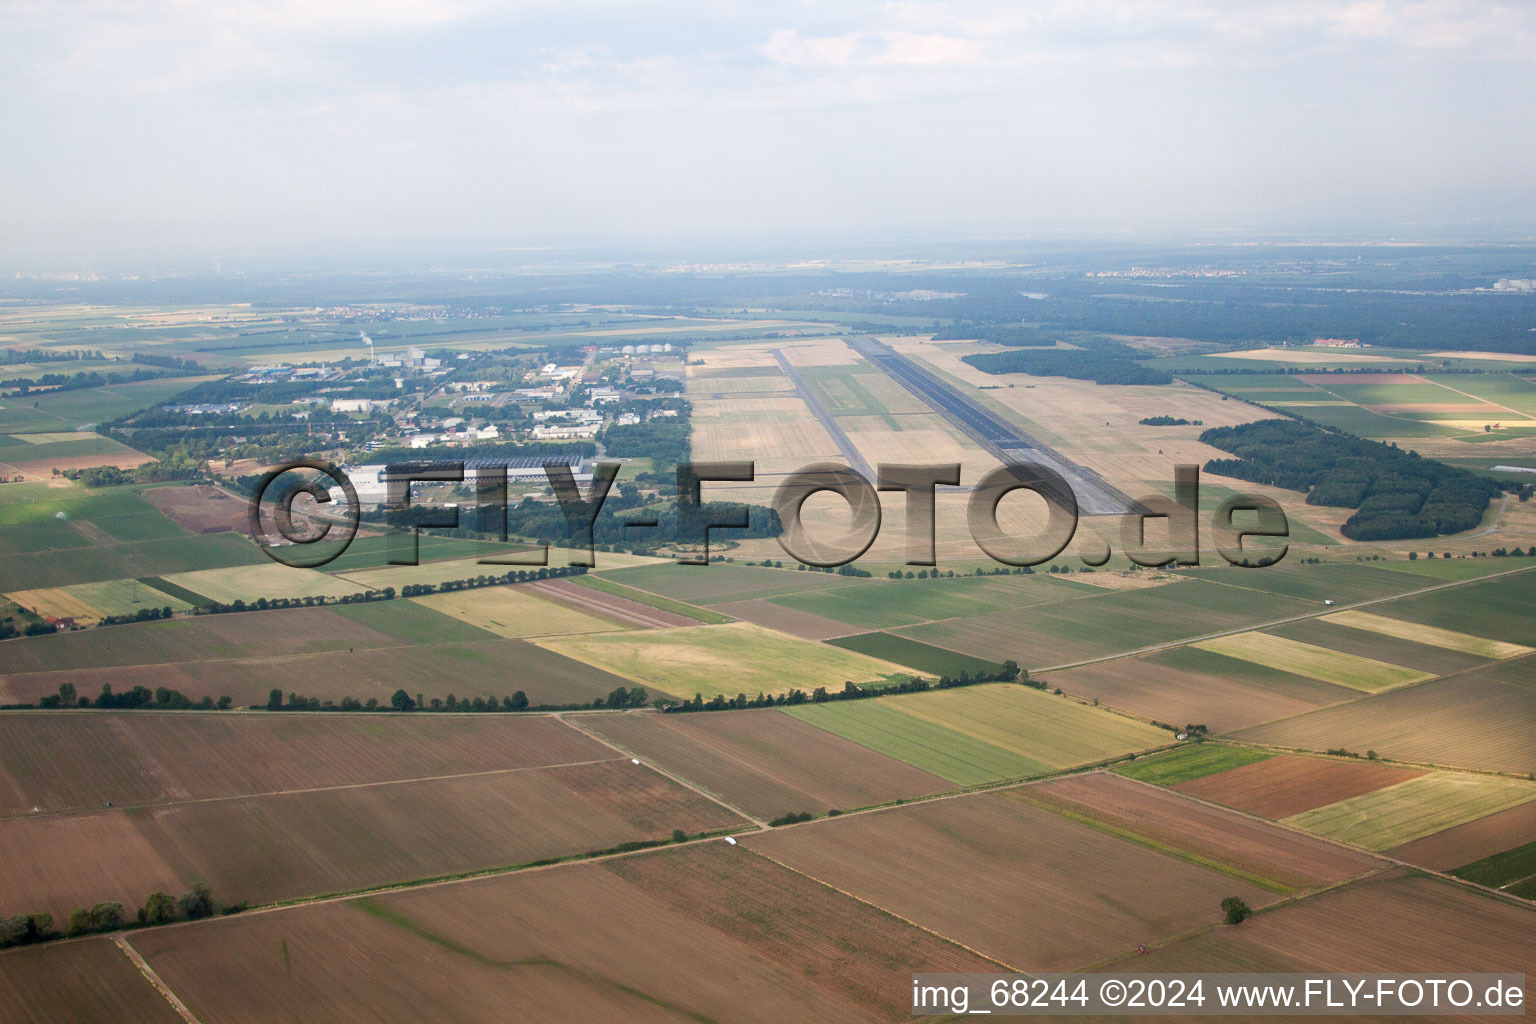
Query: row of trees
{"points": [[1009, 673], [108, 916], [162, 698], [619, 697]]}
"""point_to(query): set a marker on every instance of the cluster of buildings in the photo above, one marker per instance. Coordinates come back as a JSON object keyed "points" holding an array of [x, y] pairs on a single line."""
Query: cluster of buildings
{"points": [[1339, 343]]}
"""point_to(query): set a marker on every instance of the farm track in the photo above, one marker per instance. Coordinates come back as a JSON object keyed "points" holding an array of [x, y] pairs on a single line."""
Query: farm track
{"points": [[76, 812], [154, 979], [1388, 863]]}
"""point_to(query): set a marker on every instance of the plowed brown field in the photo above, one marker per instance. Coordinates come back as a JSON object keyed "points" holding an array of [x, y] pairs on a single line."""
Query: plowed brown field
{"points": [[765, 761], [1278, 787]]}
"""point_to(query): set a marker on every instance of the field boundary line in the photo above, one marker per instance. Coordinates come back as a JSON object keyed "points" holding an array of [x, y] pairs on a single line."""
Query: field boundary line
{"points": [[1327, 610], [1475, 398], [1379, 854], [315, 789], [1234, 738], [883, 910], [153, 977], [761, 825]]}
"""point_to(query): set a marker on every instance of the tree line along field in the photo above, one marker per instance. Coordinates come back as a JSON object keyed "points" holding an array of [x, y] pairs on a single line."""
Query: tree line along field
{"points": [[362, 651], [621, 940], [488, 668]]}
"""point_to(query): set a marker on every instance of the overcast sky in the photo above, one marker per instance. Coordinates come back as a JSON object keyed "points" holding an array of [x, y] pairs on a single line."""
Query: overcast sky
{"points": [[223, 124]]}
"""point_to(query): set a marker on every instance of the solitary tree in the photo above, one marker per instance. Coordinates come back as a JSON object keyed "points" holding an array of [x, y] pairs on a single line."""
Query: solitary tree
{"points": [[401, 701], [1236, 910]]}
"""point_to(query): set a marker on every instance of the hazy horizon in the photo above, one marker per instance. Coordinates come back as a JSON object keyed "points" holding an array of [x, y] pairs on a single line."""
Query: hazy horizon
{"points": [[148, 131]]}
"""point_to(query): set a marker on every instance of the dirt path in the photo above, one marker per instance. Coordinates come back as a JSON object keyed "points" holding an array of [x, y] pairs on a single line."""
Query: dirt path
{"points": [[151, 976], [761, 825]]}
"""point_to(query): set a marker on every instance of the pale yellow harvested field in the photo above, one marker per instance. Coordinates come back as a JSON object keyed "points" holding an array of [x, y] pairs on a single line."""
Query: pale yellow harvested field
{"points": [[56, 602], [786, 408], [623, 560], [739, 657], [705, 387], [1138, 580], [730, 357], [815, 352], [250, 582], [882, 444], [1095, 425], [62, 435], [1432, 635], [1315, 662], [896, 398], [775, 447], [1308, 355], [513, 611]]}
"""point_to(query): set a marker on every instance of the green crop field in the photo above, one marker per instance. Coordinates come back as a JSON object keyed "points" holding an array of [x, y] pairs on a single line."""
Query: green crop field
{"points": [[1055, 731], [878, 725], [252, 582], [411, 622], [95, 600], [923, 657], [1411, 810], [1320, 663], [1341, 582], [886, 604], [1107, 623], [722, 582], [666, 604], [1459, 568], [1513, 871], [1192, 762], [70, 410], [1498, 609], [735, 658], [127, 560], [375, 552]]}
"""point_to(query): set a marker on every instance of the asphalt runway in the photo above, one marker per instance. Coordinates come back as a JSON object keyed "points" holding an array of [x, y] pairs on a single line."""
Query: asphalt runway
{"points": [[1095, 496]]}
